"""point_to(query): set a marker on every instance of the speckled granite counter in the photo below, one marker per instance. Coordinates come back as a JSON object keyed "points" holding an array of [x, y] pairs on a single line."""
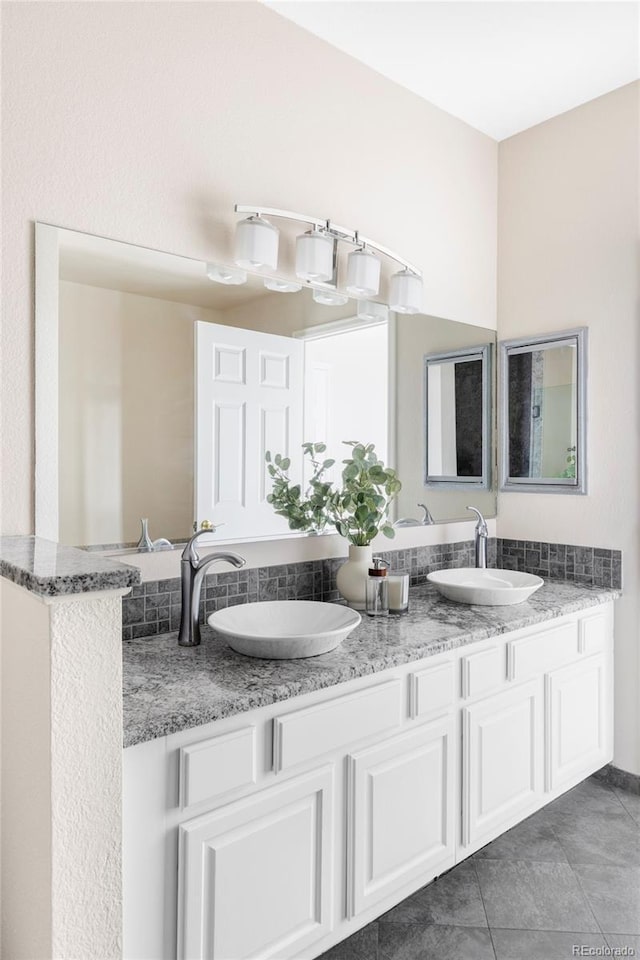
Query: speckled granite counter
{"points": [[168, 688], [52, 570]]}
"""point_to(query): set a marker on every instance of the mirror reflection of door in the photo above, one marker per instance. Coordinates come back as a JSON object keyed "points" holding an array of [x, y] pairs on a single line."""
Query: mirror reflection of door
{"points": [[249, 389]]}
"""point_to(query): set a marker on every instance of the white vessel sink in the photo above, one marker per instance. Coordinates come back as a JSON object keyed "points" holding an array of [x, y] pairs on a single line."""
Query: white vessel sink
{"points": [[490, 588], [285, 629]]}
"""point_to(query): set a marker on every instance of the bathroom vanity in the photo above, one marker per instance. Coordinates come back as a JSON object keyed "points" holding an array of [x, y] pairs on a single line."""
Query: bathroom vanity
{"points": [[271, 809]]}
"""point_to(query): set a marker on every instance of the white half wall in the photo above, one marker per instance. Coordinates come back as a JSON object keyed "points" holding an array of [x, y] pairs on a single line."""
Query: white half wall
{"points": [[568, 247], [61, 776]]}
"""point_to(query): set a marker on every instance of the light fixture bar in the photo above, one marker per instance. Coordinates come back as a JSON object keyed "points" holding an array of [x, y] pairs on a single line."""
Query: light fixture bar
{"points": [[333, 229]]}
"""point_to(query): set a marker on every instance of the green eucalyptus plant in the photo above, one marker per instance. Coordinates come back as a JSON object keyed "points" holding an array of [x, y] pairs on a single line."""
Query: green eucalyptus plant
{"points": [[359, 510]]}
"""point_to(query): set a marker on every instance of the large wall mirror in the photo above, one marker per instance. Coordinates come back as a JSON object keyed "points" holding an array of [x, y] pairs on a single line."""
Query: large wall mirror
{"points": [[543, 413], [160, 384]]}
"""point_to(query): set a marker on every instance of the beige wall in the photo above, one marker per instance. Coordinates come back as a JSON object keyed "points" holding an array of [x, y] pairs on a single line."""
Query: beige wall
{"points": [[147, 121], [126, 415], [415, 337], [568, 245]]}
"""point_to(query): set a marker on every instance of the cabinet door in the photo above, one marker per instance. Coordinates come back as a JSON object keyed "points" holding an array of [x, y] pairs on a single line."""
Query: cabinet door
{"points": [[502, 761], [577, 735], [400, 813], [255, 876]]}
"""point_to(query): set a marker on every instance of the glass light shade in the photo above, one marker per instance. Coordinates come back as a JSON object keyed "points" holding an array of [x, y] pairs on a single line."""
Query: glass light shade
{"points": [[314, 256], [406, 292], [282, 286], [223, 274], [363, 274], [370, 310], [256, 244], [330, 298]]}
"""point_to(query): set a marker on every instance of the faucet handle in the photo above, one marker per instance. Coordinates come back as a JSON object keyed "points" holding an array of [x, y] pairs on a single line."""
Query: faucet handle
{"points": [[481, 526], [206, 526]]}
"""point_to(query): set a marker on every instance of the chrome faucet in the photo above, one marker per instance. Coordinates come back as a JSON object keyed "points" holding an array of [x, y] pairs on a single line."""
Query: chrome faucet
{"points": [[146, 544], [482, 535], [425, 520], [192, 570]]}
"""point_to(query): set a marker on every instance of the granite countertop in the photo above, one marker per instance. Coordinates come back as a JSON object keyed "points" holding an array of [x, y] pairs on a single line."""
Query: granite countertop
{"points": [[168, 688], [53, 570]]}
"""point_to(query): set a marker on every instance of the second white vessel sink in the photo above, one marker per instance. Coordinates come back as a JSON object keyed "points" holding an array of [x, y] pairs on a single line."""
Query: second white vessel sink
{"points": [[490, 588], [285, 629]]}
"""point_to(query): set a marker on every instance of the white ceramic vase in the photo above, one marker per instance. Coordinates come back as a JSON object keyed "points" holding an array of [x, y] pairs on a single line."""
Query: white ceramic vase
{"points": [[352, 576]]}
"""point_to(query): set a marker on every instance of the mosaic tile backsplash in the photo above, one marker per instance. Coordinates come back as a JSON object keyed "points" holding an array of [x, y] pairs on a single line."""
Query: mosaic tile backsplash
{"points": [[562, 561], [153, 608]]}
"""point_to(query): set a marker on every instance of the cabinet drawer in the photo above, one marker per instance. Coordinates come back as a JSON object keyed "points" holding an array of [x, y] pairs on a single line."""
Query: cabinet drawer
{"points": [[482, 672], [592, 633], [217, 766], [541, 652], [431, 690], [316, 730]]}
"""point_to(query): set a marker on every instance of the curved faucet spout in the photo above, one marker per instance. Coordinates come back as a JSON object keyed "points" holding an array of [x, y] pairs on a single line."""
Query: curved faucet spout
{"points": [[193, 569], [233, 558]]}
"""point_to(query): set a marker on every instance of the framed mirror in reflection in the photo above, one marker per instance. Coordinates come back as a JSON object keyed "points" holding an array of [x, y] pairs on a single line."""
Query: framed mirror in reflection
{"points": [[543, 413], [158, 392], [458, 441]]}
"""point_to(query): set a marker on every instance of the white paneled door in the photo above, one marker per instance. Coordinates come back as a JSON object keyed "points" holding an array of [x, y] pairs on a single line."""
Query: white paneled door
{"points": [[255, 876], [400, 813], [502, 761], [576, 721], [249, 399]]}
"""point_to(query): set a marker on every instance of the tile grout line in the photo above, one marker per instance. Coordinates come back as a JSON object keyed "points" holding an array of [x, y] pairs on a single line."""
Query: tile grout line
{"points": [[578, 881], [484, 906], [604, 935]]}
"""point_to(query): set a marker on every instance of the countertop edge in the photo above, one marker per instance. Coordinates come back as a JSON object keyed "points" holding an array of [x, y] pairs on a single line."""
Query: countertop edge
{"points": [[145, 730], [49, 569]]}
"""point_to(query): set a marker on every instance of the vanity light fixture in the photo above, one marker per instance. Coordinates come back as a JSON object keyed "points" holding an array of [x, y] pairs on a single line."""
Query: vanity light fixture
{"points": [[406, 292], [317, 256], [256, 244], [314, 256], [329, 298], [282, 286], [373, 312], [363, 274], [228, 275]]}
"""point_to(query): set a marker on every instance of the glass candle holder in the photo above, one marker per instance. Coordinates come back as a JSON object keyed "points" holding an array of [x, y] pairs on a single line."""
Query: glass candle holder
{"points": [[398, 592]]}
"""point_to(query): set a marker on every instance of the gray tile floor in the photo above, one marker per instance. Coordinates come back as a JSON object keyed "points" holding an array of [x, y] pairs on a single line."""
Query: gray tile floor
{"points": [[568, 877]]}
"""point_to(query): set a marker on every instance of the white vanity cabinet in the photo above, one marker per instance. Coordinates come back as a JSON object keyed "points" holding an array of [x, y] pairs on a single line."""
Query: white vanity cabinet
{"points": [[400, 812], [502, 762], [578, 722], [278, 832], [255, 876]]}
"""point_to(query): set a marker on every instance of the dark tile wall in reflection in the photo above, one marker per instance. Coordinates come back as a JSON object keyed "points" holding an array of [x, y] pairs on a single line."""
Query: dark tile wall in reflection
{"points": [[153, 608]]}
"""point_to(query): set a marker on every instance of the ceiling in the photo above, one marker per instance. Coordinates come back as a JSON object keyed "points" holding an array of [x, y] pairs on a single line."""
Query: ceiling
{"points": [[500, 66]]}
